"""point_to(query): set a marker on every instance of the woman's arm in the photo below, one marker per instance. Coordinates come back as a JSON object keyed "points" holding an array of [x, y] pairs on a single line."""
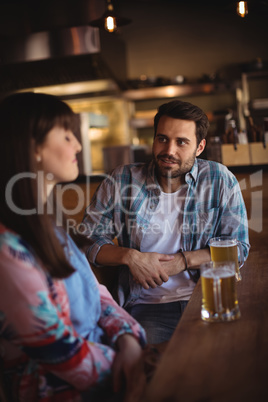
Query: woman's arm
{"points": [[36, 323], [115, 321]]}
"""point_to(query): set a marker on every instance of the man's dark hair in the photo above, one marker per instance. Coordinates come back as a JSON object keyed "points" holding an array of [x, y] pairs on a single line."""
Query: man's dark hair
{"points": [[178, 109]]}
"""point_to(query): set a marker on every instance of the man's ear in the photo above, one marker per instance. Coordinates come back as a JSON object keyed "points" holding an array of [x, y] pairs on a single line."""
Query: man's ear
{"points": [[200, 147]]}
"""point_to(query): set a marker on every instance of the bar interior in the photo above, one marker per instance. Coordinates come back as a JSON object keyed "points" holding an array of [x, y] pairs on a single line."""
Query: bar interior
{"points": [[205, 52]]}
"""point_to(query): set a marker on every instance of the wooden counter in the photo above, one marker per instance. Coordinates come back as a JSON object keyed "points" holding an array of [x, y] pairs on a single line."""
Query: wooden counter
{"points": [[219, 362]]}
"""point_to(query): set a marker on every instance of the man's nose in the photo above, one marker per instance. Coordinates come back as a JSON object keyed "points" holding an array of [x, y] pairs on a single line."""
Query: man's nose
{"points": [[171, 148]]}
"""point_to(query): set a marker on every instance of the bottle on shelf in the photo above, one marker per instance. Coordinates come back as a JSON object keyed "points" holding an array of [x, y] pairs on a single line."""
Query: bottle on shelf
{"points": [[255, 132]]}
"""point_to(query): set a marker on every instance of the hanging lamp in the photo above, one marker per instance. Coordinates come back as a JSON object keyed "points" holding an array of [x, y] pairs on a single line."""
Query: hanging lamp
{"points": [[242, 8], [110, 21]]}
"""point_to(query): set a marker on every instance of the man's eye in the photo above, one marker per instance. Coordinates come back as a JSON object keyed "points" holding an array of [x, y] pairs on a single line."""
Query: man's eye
{"points": [[161, 139]]}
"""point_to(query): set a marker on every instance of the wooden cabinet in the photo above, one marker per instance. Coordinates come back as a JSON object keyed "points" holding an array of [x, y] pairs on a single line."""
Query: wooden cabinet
{"points": [[238, 155], [258, 153]]}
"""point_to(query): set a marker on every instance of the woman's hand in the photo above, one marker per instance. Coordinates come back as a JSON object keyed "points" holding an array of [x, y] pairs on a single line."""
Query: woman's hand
{"points": [[128, 368]]}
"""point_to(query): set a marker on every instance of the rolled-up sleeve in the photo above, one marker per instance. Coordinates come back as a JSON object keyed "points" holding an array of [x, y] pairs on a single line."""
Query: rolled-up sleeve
{"points": [[98, 222], [116, 321], [233, 217]]}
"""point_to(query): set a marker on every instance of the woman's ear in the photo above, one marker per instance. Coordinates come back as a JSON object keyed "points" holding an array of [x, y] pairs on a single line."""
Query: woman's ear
{"points": [[37, 153]]}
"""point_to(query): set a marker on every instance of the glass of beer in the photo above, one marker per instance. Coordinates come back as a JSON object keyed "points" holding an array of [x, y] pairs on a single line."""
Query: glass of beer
{"points": [[225, 248], [219, 298]]}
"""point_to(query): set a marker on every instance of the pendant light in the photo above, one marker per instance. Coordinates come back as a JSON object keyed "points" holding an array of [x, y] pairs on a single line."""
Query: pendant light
{"points": [[242, 8], [110, 21]]}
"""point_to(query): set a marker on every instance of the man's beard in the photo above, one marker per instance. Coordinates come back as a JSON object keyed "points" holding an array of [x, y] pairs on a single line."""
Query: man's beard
{"points": [[171, 173]]}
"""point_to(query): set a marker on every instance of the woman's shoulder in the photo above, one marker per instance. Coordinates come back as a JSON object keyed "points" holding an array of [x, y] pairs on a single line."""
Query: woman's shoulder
{"points": [[11, 239], [13, 246]]}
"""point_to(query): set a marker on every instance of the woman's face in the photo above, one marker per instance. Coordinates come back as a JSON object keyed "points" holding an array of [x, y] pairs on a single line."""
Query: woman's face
{"points": [[56, 157]]}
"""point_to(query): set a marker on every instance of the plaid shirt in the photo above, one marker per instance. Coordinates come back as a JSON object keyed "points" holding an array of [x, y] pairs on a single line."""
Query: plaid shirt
{"points": [[125, 201]]}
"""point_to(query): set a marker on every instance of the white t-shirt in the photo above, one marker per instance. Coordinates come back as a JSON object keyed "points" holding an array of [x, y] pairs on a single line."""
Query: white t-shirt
{"points": [[164, 236]]}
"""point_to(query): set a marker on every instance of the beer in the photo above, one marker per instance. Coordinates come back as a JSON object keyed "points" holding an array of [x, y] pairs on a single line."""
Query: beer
{"points": [[219, 298], [226, 249]]}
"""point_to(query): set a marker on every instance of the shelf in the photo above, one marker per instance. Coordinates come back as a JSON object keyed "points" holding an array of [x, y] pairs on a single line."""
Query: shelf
{"points": [[256, 74], [260, 104], [172, 91], [254, 83], [145, 118]]}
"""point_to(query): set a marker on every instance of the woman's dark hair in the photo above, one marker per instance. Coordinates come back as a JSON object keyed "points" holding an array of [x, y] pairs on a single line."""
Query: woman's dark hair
{"points": [[25, 120], [178, 109]]}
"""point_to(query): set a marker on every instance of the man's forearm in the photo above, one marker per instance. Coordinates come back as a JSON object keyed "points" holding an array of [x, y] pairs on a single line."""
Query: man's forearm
{"points": [[197, 257], [145, 267], [112, 255], [193, 258]]}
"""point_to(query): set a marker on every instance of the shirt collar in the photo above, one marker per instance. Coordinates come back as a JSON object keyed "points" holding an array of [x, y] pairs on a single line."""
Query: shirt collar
{"points": [[151, 181], [192, 175]]}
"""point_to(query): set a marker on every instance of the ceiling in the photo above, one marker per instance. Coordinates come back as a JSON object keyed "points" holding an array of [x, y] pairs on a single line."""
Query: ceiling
{"points": [[23, 17]]}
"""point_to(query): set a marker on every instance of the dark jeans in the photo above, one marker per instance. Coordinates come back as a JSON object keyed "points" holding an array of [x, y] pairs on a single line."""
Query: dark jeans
{"points": [[159, 320]]}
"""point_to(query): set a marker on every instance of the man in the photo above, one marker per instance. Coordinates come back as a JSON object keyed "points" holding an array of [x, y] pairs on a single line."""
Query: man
{"points": [[163, 215]]}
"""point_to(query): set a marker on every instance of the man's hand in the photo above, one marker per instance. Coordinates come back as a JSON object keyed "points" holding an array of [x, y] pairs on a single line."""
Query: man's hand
{"points": [[150, 269], [174, 266], [147, 268], [194, 259]]}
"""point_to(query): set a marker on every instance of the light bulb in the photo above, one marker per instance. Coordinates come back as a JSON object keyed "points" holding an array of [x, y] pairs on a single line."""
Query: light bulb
{"points": [[110, 24], [109, 20], [242, 8]]}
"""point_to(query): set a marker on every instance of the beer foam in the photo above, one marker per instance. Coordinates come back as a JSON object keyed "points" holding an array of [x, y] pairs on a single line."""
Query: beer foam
{"points": [[224, 272], [223, 243]]}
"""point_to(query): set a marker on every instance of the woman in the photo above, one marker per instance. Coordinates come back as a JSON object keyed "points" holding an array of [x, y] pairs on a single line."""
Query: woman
{"points": [[61, 333]]}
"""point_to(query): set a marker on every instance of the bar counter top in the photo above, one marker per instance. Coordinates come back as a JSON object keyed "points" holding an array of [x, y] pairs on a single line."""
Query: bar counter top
{"points": [[219, 362]]}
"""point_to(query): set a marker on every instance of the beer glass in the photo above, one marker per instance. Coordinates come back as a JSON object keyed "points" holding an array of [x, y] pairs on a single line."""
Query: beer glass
{"points": [[219, 298], [224, 248]]}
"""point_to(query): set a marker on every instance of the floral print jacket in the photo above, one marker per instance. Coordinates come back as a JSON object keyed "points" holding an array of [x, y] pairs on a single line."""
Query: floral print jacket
{"points": [[44, 356]]}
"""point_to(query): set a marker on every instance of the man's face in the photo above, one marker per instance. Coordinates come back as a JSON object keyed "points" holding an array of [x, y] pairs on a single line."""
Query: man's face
{"points": [[175, 147]]}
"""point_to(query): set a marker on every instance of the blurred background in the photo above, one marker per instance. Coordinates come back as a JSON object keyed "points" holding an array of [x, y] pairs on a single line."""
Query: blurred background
{"points": [[194, 50]]}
